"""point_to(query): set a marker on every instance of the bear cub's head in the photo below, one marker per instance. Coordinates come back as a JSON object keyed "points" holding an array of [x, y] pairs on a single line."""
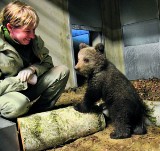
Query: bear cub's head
{"points": [[91, 60]]}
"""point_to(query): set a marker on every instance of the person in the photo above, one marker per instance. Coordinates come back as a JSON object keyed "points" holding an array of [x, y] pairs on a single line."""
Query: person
{"points": [[29, 82]]}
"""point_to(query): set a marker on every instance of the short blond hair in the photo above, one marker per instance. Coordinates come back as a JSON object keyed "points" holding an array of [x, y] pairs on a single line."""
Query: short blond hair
{"points": [[19, 14]]}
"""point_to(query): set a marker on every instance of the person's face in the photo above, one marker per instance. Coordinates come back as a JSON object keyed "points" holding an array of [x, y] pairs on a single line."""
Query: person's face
{"points": [[22, 35]]}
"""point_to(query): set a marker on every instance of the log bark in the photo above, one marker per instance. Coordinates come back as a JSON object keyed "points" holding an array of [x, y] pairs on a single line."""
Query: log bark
{"points": [[153, 112], [53, 128]]}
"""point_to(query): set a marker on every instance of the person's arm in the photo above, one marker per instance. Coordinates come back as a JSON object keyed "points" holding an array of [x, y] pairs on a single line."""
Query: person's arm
{"points": [[43, 54], [9, 67], [11, 84], [33, 71]]}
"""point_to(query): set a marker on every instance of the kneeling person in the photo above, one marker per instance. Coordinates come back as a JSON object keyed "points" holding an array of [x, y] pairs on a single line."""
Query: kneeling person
{"points": [[26, 68]]}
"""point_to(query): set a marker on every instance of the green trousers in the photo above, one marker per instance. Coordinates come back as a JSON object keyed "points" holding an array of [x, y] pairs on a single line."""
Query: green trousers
{"points": [[46, 92]]}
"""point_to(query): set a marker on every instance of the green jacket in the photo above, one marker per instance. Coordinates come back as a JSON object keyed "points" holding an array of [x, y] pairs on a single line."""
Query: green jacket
{"points": [[11, 63]]}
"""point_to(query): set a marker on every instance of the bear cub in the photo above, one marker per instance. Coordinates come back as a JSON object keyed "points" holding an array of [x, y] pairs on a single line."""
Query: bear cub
{"points": [[106, 82]]}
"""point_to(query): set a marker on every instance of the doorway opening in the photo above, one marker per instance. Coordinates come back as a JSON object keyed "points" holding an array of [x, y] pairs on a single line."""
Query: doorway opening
{"points": [[88, 37]]}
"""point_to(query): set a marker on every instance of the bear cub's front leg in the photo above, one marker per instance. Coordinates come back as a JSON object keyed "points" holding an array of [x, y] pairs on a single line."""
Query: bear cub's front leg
{"points": [[86, 107], [81, 107]]}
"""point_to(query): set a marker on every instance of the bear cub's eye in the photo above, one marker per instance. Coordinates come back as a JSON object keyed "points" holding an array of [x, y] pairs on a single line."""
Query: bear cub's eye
{"points": [[86, 60]]}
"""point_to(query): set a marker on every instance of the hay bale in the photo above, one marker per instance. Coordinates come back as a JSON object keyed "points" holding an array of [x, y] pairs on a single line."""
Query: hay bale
{"points": [[53, 128]]}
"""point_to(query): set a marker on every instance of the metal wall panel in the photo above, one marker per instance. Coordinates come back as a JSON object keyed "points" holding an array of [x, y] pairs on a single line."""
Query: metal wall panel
{"points": [[141, 33], [85, 13], [133, 11], [143, 61]]}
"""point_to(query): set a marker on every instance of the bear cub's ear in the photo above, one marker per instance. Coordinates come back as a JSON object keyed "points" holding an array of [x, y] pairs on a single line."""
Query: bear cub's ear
{"points": [[82, 45], [100, 47]]}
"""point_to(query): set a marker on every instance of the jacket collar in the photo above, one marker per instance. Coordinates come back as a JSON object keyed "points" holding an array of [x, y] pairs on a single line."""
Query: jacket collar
{"points": [[8, 37], [3, 43]]}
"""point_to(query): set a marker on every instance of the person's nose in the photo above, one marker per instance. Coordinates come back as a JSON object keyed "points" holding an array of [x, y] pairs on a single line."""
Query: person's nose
{"points": [[32, 34]]}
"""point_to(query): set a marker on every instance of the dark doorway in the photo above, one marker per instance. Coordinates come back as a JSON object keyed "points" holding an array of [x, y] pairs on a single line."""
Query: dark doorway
{"points": [[83, 36]]}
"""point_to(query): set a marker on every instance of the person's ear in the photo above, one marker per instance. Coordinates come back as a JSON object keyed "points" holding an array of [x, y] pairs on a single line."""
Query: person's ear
{"points": [[9, 27]]}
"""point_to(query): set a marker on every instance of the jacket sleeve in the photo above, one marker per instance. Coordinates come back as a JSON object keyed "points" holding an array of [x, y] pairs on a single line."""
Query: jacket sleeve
{"points": [[43, 54], [11, 84], [9, 67]]}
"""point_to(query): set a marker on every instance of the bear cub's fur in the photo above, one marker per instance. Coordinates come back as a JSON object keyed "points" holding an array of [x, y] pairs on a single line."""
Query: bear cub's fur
{"points": [[106, 82]]}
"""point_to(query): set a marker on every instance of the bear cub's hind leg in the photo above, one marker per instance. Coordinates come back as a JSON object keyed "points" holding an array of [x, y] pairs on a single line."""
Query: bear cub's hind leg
{"points": [[121, 123], [121, 131], [140, 129]]}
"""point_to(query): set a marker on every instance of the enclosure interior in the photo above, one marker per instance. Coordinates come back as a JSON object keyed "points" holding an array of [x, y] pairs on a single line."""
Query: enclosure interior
{"points": [[138, 23]]}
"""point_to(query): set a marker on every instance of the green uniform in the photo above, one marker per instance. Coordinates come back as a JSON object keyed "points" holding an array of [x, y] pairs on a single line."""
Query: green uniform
{"points": [[16, 97]]}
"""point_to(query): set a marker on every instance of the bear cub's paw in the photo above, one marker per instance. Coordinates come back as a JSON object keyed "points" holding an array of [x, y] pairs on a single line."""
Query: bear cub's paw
{"points": [[118, 135], [82, 108]]}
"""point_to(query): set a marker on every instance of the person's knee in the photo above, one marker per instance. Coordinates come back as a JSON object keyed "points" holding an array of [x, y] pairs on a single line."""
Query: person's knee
{"points": [[15, 111], [15, 108], [62, 69], [65, 69], [24, 107], [60, 72]]}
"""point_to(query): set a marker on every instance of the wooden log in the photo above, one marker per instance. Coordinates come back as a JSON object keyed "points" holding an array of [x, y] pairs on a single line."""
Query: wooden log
{"points": [[53, 128], [153, 112]]}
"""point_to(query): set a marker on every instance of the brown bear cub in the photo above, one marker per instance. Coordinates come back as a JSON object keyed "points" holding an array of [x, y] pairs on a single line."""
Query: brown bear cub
{"points": [[106, 82]]}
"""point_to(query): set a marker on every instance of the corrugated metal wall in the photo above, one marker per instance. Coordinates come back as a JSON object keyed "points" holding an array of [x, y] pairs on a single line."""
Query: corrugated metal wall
{"points": [[140, 25], [131, 31]]}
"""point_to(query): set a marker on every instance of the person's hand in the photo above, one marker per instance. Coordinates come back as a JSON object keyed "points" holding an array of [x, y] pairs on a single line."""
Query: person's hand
{"points": [[25, 74], [32, 79]]}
